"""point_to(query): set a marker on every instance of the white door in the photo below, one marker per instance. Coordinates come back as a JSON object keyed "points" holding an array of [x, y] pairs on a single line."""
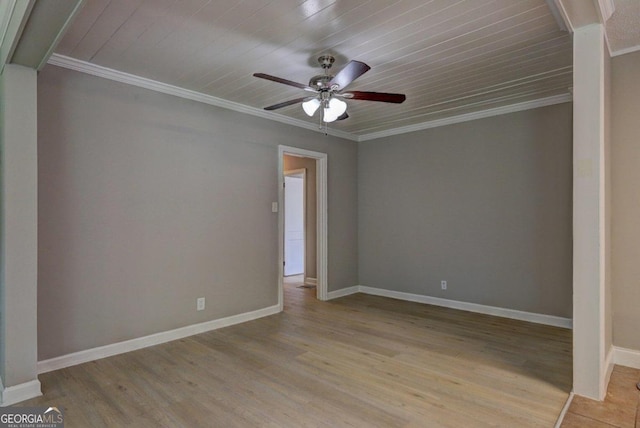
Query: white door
{"points": [[293, 224]]}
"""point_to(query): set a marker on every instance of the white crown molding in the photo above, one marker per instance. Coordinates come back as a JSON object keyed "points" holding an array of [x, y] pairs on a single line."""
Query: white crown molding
{"points": [[625, 51], [455, 304], [607, 7], [119, 76], [142, 82], [151, 340], [15, 394], [497, 111], [560, 15]]}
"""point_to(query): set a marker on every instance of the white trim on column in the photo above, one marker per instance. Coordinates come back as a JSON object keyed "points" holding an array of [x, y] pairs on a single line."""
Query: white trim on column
{"points": [[15, 394], [589, 255]]}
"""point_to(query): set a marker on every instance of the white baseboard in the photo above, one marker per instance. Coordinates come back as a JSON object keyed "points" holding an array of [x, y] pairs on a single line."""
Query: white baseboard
{"points": [[465, 306], [310, 281], [15, 394], [626, 357], [151, 340], [564, 410], [343, 292], [472, 307], [608, 364]]}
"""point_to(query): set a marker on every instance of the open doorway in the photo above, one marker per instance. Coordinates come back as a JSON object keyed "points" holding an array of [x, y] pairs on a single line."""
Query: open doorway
{"points": [[302, 176], [296, 225]]}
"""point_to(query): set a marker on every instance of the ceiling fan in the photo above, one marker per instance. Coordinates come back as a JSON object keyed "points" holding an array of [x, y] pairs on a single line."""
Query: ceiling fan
{"points": [[328, 89]]}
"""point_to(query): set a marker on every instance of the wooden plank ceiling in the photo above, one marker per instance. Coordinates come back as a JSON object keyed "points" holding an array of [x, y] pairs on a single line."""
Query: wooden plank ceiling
{"points": [[448, 56]]}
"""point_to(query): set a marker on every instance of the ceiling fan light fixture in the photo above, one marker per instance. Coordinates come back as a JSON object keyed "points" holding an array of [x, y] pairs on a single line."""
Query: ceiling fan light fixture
{"points": [[335, 109], [310, 106], [326, 87]]}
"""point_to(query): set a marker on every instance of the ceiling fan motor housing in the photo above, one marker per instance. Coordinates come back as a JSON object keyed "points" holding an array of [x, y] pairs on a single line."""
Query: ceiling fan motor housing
{"points": [[320, 82]]}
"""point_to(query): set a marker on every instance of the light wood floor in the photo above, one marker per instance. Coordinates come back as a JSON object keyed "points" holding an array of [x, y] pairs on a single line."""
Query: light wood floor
{"points": [[359, 361]]}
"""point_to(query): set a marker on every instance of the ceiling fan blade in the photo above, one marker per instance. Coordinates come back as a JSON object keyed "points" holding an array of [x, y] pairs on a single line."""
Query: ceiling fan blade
{"points": [[349, 73], [285, 104], [375, 96], [343, 116], [283, 81]]}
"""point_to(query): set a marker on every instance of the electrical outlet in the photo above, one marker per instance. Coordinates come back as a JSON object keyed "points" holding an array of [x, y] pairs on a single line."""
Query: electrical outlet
{"points": [[443, 284], [200, 303]]}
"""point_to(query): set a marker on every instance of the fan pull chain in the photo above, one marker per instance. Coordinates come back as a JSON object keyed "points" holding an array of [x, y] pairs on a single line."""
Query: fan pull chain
{"points": [[322, 124]]}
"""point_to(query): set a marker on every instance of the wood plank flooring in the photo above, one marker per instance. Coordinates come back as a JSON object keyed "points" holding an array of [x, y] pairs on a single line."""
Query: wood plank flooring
{"points": [[620, 408], [358, 361]]}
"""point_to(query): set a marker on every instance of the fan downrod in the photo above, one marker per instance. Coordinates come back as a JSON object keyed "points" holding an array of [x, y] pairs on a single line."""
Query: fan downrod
{"points": [[321, 81], [326, 61]]}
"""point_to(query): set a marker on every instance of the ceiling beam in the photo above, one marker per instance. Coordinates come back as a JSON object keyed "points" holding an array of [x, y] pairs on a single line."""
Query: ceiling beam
{"points": [[13, 18], [606, 8], [558, 13], [580, 13], [47, 23]]}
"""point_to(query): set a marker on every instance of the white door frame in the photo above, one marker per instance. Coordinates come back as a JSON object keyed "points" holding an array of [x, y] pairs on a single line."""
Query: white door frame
{"points": [[321, 219]]}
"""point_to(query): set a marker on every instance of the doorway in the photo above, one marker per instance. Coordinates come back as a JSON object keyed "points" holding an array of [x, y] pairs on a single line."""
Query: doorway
{"points": [[293, 162], [295, 223]]}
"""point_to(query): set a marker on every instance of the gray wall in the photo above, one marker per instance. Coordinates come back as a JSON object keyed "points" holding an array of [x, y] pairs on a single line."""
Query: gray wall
{"points": [[147, 201], [625, 171], [310, 254], [485, 205]]}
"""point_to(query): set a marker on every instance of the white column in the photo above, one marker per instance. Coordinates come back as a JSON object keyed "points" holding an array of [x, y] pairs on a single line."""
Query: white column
{"points": [[589, 213], [19, 234]]}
